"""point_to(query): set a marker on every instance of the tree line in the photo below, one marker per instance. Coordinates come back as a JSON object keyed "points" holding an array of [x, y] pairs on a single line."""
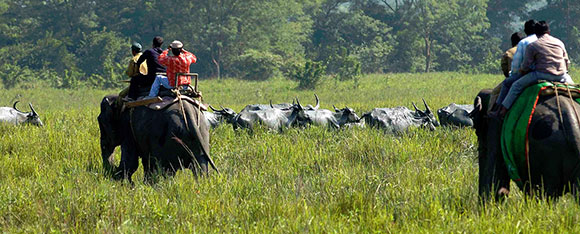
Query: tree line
{"points": [[71, 43]]}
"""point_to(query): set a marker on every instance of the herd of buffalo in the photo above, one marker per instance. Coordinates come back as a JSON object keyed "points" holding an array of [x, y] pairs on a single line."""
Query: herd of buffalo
{"points": [[284, 115]]}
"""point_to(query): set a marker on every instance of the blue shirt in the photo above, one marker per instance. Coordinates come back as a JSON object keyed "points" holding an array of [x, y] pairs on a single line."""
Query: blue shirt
{"points": [[520, 52]]}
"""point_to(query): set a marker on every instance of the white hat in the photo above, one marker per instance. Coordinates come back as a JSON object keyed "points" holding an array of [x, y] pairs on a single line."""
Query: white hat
{"points": [[176, 44]]}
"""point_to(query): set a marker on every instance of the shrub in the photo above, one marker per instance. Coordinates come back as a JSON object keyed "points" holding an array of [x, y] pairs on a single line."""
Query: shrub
{"points": [[309, 75], [350, 68], [257, 65]]}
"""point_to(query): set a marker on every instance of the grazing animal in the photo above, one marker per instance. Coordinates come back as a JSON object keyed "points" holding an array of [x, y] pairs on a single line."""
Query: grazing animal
{"points": [[14, 116], [455, 115], [217, 117], [274, 119], [553, 148], [166, 139], [399, 119], [336, 119], [255, 107]]}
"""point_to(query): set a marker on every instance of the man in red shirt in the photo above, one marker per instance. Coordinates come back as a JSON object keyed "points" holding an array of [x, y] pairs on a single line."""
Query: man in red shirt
{"points": [[179, 62]]}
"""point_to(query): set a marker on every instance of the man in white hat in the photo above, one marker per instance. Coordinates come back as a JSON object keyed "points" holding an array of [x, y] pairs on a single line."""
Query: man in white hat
{"points": [[178, 62]]}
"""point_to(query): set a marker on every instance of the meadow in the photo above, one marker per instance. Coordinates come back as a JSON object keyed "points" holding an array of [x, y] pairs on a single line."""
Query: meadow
{"points": [[302, 180]]}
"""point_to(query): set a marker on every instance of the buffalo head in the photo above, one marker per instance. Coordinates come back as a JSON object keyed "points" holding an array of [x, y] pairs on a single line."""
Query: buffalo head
{"points": [[31, 117], [426, 118], [225, 114], [346, 115]]}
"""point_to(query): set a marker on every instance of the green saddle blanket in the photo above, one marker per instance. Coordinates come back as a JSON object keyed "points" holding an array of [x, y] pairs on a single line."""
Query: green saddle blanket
{"points": [[515, 129]]}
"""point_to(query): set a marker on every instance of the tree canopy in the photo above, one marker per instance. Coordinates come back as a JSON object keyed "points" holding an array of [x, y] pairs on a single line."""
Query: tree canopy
{"points": [[67, 43]]}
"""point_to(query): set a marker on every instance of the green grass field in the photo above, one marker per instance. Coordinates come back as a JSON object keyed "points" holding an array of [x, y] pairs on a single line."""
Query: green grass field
{"points": [[302, 180]]}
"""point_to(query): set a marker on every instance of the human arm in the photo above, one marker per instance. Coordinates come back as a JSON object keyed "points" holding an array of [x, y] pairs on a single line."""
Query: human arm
{"points": [[505, 64], [528, 60], [566, 59], [163, 58], [143, 57], [189, 57]]}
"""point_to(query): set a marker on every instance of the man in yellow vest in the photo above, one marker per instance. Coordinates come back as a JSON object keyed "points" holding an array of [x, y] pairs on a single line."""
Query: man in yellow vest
{"points": [[134, 71]]}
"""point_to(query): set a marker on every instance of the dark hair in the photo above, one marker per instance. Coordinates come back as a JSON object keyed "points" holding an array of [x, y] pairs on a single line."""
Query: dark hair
{"points": [[176, 51], [517, 37], [529, 27], [542, 28], [157, 41]]}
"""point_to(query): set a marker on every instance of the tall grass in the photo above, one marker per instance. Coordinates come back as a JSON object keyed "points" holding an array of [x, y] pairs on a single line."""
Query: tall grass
{"points": [[301, 180]]}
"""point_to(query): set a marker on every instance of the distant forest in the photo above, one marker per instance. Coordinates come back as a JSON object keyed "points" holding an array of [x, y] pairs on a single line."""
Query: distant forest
{"points": [[73, 43]]}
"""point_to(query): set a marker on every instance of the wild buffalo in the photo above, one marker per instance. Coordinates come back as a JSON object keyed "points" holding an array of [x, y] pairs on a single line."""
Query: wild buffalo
{"points": [[255, 107], [336, 119], [275, 118], [16, 117], [399, 119], [169, 139], [553, 146], [217, 117], [455, 115]]}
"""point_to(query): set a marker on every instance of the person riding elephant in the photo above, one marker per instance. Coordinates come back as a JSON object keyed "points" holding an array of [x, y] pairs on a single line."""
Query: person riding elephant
{"points": [[178, 62]]}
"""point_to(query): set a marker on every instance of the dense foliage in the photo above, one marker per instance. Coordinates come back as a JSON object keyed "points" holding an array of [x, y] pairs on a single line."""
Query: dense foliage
{"points": [[72, 43]]}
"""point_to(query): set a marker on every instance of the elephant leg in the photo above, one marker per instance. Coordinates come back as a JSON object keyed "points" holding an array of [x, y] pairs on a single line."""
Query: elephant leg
{"points": [[108, 160], [129, 161]]}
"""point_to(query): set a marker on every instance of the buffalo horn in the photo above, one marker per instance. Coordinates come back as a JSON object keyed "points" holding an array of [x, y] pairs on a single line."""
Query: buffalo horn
{"points": [[427, 109], [14, 106], [213, 109], [32, 109], [317, 102], [298, 102], [416, 109], [335, 109], [271, 105]]}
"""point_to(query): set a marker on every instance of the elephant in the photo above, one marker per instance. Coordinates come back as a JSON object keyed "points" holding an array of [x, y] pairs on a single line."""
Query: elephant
{"points": [[553, 154], [166, 140]]}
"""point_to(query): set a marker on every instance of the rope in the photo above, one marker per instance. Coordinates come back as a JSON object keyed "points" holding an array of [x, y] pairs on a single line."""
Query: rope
{"points": [[178, 94]]}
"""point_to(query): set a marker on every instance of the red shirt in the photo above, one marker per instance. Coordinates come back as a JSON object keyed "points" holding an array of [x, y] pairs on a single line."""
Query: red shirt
{"points": [[177, 64]]}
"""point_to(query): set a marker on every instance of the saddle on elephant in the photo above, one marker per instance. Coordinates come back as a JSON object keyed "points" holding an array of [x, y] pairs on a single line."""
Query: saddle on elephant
{"points": [[516, 124], [166, 97]]}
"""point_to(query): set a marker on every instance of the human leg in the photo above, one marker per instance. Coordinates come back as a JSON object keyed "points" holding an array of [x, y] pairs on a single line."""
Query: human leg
{"points": [[549, 77], [505, 87], [518, 87], [159, 80]]}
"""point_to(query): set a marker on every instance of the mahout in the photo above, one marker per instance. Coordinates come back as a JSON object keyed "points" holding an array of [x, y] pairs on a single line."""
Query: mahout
{"points": [[399, 119], [14, 116], [455, 115]]}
